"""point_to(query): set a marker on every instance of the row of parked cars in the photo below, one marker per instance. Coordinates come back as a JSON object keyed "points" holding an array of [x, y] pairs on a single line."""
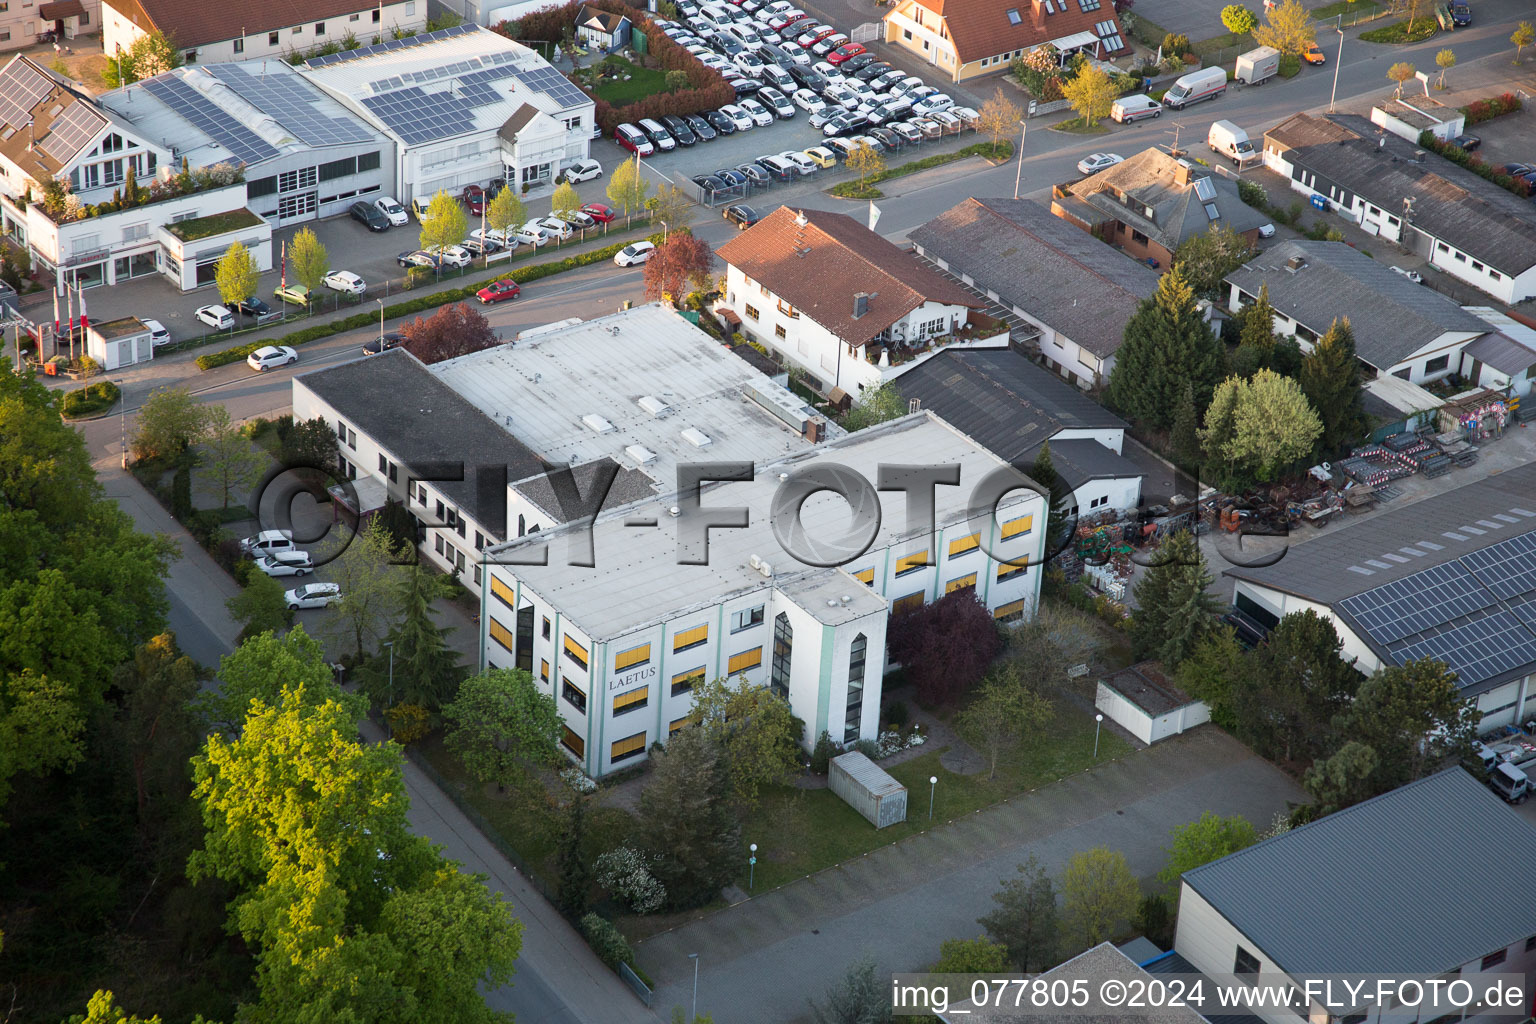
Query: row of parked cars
{"points": [[769, 54], [277, 555]]}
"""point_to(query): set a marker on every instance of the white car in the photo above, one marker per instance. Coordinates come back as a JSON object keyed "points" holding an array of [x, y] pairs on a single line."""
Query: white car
{"points": [[345, 281], [158, 335], [739, 117], [313, 595], [760, 115], [933, 104], [493, 236], [802, 163], [809, 101], [269, 356], [531, 233], [393, 210], [267, 542], [1412, 275], [556, 228], [217, 317], [286, 563], [633, 254], [777, 102], [1266, 231], [452, 255], [583, 170], [1096, 162]]}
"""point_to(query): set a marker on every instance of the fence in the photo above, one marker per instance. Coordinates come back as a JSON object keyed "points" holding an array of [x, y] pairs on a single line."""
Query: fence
{"points": [[632, 979]]}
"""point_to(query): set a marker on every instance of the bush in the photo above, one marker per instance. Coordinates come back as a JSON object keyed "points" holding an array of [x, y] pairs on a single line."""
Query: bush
{"points": [[1290, 66], [897, 716], [1479, 111], [181, 494], [1252, 193], [1176, 42], [610, 946], [88, 401], [823, 753], [868, 748]]}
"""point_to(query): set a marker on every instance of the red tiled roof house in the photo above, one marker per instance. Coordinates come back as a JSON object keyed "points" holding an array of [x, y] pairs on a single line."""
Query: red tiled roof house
{"points": [[967, 38]]}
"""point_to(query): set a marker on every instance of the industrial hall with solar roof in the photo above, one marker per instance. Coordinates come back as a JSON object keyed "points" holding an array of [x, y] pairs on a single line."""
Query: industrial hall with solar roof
{"points": [[1451, 577]]}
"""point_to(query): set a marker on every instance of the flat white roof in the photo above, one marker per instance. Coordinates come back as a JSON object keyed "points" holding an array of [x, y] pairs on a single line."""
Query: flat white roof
{"points": [[637, 580], [640, 383]]}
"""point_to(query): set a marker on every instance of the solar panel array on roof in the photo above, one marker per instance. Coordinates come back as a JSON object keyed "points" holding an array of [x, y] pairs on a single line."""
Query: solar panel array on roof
{"points": [[1509, 568], [553, 84], [1418, 602], [210, 119], [418, 116], [388, 45], [1479, 649], [21, 87], [293, 104], [74, 128]]}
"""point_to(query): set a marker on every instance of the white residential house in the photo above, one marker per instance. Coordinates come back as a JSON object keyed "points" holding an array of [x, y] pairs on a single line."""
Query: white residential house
{"points": [[1505, 358], [826, 294]]}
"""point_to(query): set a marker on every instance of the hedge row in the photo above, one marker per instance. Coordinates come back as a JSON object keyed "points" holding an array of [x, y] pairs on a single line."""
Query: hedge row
{"points": [[851, 190], [1479, 111], [410, 307], [91, 399], [1476, 164]]}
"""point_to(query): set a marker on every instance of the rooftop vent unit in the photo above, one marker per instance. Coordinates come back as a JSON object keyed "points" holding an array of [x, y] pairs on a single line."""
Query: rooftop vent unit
{"points": [[597, 424], [780, 403], [1295, 263], [697, 438], [655, 406], [641, 454], [674, 511]]}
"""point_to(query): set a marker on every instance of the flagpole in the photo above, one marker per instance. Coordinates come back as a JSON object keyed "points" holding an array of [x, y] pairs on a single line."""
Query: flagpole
{"points": [[69, 308]]}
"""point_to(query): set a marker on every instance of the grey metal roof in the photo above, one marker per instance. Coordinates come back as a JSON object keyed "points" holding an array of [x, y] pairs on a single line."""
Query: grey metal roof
{"points": [[1449, 202], [1392, 318], [873, 779], [1055, 272], [1397, 884], [628, 485], [1002, 400], [1079, 460], [418, 419], [1178, 214], [1501, 352]]}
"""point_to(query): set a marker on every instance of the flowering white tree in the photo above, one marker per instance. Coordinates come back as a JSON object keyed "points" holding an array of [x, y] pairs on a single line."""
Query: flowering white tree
{"points": [[626, 874]]}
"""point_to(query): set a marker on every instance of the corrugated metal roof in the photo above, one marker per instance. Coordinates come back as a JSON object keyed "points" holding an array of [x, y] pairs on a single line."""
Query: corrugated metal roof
{"points": [[870, 776], [1421, 880], [1081, 460], [1501, 352]]}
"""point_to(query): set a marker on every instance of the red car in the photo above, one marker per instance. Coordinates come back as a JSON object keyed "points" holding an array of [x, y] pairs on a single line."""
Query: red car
{"points": [[496, 291], [600, 213], [846, 52], [474, 198]]}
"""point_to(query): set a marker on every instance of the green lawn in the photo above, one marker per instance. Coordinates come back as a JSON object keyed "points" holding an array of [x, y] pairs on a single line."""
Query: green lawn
{"points": [[802, 831], [1356, 11], [1077, 126], [642, 83], [1397, 32]]}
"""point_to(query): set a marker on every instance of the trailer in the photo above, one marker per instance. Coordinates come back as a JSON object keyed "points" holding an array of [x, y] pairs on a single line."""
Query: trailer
{"points": [[1257, 66]]}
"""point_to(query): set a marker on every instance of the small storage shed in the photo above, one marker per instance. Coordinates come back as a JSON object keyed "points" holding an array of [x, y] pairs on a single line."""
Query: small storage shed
{"points": [[1143, 702], [868, 789], [117, 343]]}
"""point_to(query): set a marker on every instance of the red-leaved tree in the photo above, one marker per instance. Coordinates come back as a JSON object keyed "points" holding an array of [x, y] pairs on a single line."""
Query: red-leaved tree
{"points": [[455, 330], [679, 261], [945, 646]]}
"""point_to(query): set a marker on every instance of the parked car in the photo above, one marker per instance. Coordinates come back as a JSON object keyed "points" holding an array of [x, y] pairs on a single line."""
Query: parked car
{"points": [[368, 214], [777, 102], [658, 134], [778, 168], [933, 104], [473, 197], [257, 310], [821, 156], [823, 47], [808, 101], [679, 130], [799, 161], [908, 132], [1096, 162], [633, 139], [709, 183], [1412, 275], [631, 255], [888, 139], [845, 124], [554, 227], [969, 116], [731, 176], [268, 542], [158, 335], [739, 117], [702, 129], [577, 220], [761, 116], [1313, 54], [420, 205], [930, 128], [755, 174], [286, 563], [858, 62], [498, 291], [532, 233], [269, 356], [1467, 142], [216, 316], [294, 293], [845, 53], [480, 246], [742, 216], [373, 346], [486, 236], [721, 122], [313, 595], [452, 255], [393, 210], [1266, 231], [600, 213], [345, 281]]}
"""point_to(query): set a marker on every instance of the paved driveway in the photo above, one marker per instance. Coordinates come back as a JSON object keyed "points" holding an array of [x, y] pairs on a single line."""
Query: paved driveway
{"points": [[760, 960]]}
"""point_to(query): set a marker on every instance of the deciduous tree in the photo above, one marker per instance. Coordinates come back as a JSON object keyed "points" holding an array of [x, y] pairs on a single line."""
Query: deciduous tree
{"points": [[859, 997], [1330, 378], [670, 206], [1098, 894], [1288, 28], [758, 735], [310, 442], [148, 56], [1206, 259], [445, 223], [1296, 683], [627, 187], [1444, 60], [1401, 72], [504, 210], [236, 275], [1003, 712], [1523, 36], [999, 116], [170, 421], [1208, 838], [980, 955], [228, 456], [865, 162], [565, 200], [945, 646], [687, 821], [1025, 920], [260, 607], [259, 669], [1167, 343], [682, 260], [499, 725], [1174, 611], [310, 260], [454, 330], [877, 403], [1238, 20], [1091, 94], [1257, 427], [367, 573]]}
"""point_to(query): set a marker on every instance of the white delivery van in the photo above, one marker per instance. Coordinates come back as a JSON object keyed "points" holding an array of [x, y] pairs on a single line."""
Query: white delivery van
{"points": [[1133, 108], [1233, 143], [1205, 84]]}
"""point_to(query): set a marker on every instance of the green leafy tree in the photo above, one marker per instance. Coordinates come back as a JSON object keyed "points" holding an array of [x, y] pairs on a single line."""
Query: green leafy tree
{"points": [[310, 442], [260, 607], [149, 55], [260, 669], [1025, 921], [1415, 718], [676, 79], [1209, 673], [627, 187], [1208, 838], [672, 207], [1288, 27], [368, 574], [998, 116], [236, 275], [1257, 427], [1330, 378], [971, 956], [1238, 20], [1402, 73], [757, 733], [1296, 684], [878, 403], [861, 996], [1167, 343], [1174, 611], [103, 1009], [1344, 779], [170, 421], [445, 223], [1059, 497], [1524, 35], [1098, 894], [865, 162], [504, 211], [309, 258], [1444, 60], [687, 821], [228, 456], [1002, 713], [571, 860], [1206, 259], [1091, 93], [565, 200], [499, 725], [427, 670], [158, 728]]}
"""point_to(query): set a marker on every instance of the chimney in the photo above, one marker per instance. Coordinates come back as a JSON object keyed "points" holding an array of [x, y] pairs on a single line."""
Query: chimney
{"points": [[1296, 262], [860, 304]]}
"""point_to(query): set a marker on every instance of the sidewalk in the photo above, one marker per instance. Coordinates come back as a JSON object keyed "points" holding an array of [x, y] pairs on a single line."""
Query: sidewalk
{"points": [[762, 959]]}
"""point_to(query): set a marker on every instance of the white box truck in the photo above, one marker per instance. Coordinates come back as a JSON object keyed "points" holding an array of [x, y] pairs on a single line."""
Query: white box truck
{"points": [[1205, 84], [1233, 143], [1133, 108], [1258, 66]]}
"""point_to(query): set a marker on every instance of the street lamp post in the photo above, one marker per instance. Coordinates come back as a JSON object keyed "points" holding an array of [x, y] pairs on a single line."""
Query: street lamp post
{"points": [[1098, 723], [1338, 26], [1018, 176], [381, 321], [663, 232], [391, 645], [695, 958], [933, 785], [752, 868], [122, 419]]}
